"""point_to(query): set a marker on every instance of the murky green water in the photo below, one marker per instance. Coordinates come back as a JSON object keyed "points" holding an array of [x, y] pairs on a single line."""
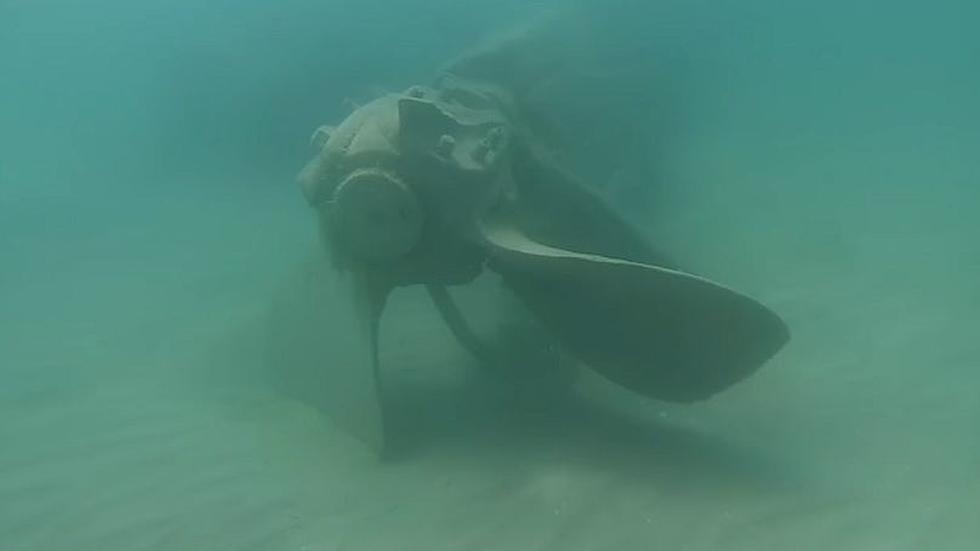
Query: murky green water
{"points": [[158, 366]]}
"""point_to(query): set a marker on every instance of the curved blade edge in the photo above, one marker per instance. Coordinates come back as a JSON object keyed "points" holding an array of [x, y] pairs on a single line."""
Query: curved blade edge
{"points": [[663, 333]]}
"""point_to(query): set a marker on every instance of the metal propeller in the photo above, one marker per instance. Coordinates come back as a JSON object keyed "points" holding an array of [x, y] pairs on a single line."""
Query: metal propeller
{"points": [[434, 185]]}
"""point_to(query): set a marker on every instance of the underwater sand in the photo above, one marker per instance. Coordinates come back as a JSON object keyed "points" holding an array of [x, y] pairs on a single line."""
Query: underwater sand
{"points": [[140, 408], [827, 165]]}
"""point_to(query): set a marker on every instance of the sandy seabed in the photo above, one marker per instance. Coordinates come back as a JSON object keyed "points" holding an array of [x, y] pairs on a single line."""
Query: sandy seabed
{"points": [[141, 409]]}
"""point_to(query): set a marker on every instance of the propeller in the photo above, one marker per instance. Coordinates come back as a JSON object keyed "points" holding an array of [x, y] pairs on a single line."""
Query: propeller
{"points": [[355, 373], [663, 333], [434, 185]]}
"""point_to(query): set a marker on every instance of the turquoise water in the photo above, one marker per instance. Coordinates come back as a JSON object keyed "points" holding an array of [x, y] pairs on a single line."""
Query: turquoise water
{"points": [[820, 157]]}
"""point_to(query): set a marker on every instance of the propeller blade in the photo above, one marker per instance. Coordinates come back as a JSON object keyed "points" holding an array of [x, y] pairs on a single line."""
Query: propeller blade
{"points": [[322, 347], [663, 333], [353, 393]]}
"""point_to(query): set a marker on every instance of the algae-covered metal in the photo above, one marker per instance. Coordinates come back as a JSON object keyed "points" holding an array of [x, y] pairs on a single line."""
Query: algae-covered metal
{"points": [[436, 184]]}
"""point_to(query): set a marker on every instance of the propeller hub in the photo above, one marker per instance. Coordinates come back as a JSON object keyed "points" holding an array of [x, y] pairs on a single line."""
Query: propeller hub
{"points": [[378, 217]]}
